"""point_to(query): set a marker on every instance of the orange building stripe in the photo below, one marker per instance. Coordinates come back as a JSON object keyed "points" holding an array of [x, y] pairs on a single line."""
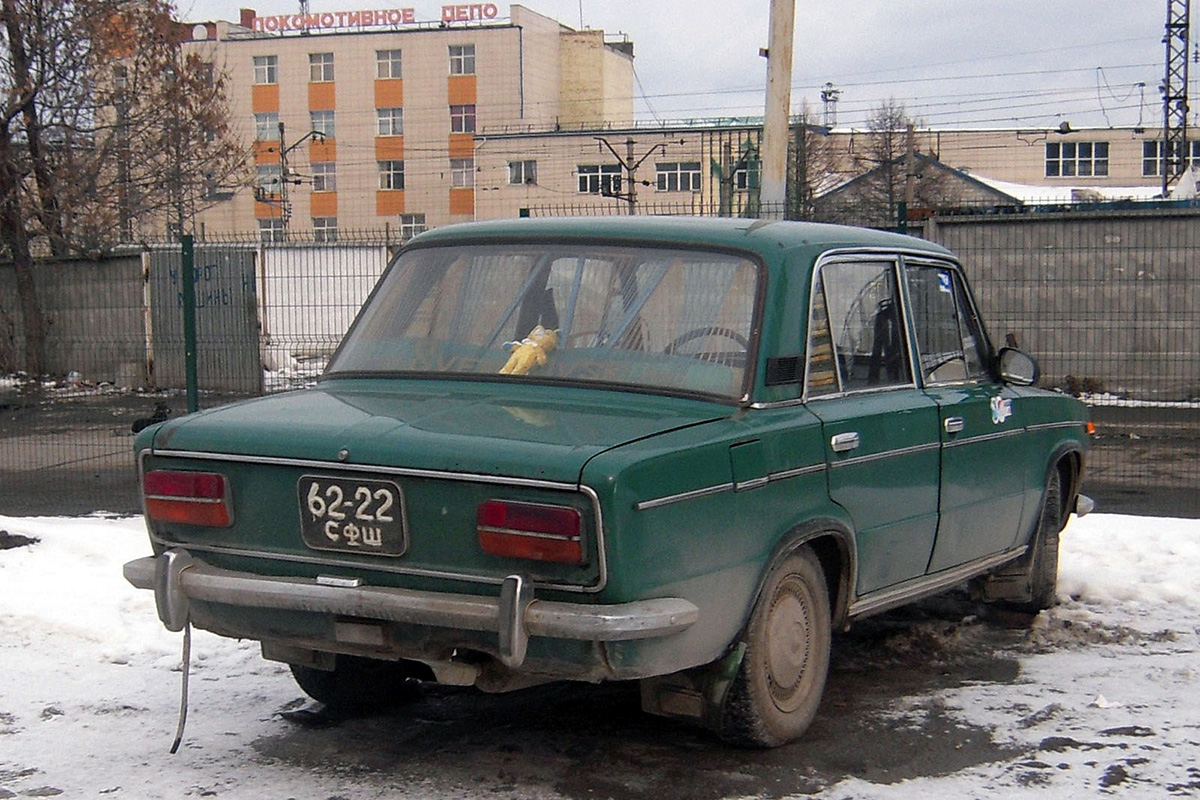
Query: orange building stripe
{"points": [[462, 201], [267, 210], [321, 96], [462, 145], [389, 148], [266, 152], [461, 90], [319, 150], [389, 202], [324, 204], [264, 97], [389, 92]]}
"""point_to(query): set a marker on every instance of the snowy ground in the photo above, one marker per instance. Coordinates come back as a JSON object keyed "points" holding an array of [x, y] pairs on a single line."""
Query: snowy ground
{"points": [[1106, 700]]}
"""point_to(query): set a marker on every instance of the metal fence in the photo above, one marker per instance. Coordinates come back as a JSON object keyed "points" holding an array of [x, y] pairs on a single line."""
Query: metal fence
{"points": [[1108, 299]]}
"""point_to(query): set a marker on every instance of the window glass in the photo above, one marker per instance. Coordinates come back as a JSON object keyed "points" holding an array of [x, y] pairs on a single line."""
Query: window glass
{"points": [[389, 121], [648, 318], [320, 67], [266, 69], [822, 375], [391, 174], [462, 119], [324, 176], [950, 341], [266, 126], [462, 59], [865, 323], [388, 64]]}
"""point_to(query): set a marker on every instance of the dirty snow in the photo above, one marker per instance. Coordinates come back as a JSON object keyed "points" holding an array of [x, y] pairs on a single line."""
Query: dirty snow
{"points": [[1107, 700]]}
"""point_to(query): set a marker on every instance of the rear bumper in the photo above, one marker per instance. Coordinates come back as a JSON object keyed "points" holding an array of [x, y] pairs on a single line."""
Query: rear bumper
{"points": [[515, 615]]}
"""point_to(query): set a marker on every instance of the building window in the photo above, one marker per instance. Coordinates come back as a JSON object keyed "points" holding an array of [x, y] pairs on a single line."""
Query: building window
{"points": [[411, 225], [599, 179], [387, 64], [748, 176], [269, 178], [462, 59], [324, 176], [1076, 159], [462, 119], [390, 121], [320, 67], [462, 173], [322, 123], [682, 176], [270, 230], [1152, 153], [324, 229], [520, 172], [391, 174], [266, 126], [266, 69]]}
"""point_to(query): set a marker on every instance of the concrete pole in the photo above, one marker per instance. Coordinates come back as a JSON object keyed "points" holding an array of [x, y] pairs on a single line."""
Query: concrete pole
{"points": [[775, 119]]}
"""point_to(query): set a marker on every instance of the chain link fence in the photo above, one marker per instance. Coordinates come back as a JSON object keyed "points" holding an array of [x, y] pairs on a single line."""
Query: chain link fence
{"points": [[1106, 298]]}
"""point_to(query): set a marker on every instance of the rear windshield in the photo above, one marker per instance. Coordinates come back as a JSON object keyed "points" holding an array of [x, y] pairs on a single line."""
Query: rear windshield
{"points": [[659, 319]]}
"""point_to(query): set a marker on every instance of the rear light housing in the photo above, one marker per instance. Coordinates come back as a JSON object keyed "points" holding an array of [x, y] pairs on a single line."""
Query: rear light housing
{"points": [[531, 531], [191, 498]]}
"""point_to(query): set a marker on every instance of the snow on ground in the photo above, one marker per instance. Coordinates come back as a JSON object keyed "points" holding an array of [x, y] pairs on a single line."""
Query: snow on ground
{"points": [[1107, 700]]}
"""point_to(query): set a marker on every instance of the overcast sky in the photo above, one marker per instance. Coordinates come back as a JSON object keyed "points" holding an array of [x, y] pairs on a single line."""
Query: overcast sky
{"points": [[952, 63]]}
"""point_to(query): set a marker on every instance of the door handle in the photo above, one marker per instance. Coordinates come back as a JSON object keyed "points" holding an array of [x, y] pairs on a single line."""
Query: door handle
{"points": [[844, 442], [954, 424]]}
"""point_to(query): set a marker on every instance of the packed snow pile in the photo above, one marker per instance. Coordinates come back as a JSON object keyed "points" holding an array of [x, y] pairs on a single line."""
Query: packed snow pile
{"points": [[1106, 700]]}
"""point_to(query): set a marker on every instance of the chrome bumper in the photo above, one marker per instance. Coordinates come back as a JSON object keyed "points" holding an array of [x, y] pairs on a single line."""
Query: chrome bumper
{"points": [[177, 578]]}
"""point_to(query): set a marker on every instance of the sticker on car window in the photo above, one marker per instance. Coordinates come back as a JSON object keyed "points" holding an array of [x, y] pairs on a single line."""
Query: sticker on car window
{"points": [[944, 282]]}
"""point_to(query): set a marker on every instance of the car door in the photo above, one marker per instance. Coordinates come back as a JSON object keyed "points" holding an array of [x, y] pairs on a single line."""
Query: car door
{"points": [[880, 431], [982, 461]]}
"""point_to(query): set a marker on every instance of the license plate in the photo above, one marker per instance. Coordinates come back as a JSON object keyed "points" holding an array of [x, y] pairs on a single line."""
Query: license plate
{"points": [[352, 515]]}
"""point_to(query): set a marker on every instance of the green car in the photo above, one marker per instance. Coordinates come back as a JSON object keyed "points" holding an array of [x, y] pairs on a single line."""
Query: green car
{"points": [[678, 451]]}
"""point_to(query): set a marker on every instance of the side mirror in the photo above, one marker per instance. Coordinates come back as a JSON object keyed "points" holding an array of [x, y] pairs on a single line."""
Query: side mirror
{"points": [[1018, 368]]}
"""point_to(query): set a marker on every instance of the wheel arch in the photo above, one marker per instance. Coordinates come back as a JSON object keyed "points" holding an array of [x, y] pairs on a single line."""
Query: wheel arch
{"points": [[832, 541], [1067, 459]]}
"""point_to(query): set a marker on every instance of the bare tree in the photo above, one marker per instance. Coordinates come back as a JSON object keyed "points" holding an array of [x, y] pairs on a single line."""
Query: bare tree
{"points": [[106, 132]]}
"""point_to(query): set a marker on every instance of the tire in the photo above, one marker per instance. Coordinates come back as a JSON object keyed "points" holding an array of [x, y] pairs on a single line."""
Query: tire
{"points": [[1043, 567], [358, 683], [777, 689]]}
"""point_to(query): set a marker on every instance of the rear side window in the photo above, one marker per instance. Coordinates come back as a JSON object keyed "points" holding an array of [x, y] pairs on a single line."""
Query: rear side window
{"points": [[950, 340], [857, 339]]}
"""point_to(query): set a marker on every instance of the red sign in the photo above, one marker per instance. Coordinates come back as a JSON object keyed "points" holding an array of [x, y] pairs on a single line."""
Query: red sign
{"points": [[470, 12]]}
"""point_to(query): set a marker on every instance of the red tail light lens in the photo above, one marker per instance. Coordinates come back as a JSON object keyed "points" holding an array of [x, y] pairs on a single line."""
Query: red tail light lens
{"points": [[536, 532], [193, 498]]}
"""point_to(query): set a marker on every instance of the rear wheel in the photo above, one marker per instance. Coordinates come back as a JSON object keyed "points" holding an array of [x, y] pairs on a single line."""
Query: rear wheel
{"points": [[358, 683], [775, 694]]}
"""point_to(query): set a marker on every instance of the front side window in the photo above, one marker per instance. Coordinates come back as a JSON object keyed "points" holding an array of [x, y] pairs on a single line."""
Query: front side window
{"points": [[651, 319], [856, 329], [389, 121], [462, 59], [462, 119], [266, 126], [682, 176], [599, 179], [391, 174], [1076, 159], [322, 123], [320, 67], [387, 64], [950, 339], [324, 176], [462, 173], [266, 69]]}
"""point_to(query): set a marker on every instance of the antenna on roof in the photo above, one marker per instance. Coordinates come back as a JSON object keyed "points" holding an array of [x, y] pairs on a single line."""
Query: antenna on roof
{"points": [[304, 14]]}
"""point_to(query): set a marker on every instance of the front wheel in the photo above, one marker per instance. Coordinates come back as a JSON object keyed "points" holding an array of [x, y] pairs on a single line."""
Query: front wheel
{"points": [[776, 691]]}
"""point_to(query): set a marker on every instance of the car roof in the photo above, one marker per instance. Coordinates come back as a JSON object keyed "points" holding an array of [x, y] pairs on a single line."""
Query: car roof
{"points": [[765, 237]]}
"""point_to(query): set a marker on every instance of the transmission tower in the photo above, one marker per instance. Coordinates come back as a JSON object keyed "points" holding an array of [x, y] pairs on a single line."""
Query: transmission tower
{"points": [[829, 100], [1175, 92]]}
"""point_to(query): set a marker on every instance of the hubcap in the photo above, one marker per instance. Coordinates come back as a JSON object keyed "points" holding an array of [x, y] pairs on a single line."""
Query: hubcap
{"points": [[788, 637]]}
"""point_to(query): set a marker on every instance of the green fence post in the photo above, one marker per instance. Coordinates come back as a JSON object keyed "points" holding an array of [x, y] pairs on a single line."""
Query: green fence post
{"points": [[188, 276], [902, 217]]}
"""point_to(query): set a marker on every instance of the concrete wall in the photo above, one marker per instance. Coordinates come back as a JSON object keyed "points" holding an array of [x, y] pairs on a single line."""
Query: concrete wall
{"points": [[1110, 298], [94, 318]]}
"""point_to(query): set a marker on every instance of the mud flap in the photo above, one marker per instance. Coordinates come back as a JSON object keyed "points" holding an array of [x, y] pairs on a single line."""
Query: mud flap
{"points": [[696, 695]]}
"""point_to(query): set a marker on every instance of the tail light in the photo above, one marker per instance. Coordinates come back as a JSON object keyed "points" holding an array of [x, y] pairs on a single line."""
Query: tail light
{"points": [[193, 498], [536, 532]]}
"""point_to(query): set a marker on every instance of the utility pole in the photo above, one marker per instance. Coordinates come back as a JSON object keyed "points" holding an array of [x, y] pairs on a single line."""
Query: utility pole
{"points": [[778, 109], [1175, 92], [630, 165]]}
